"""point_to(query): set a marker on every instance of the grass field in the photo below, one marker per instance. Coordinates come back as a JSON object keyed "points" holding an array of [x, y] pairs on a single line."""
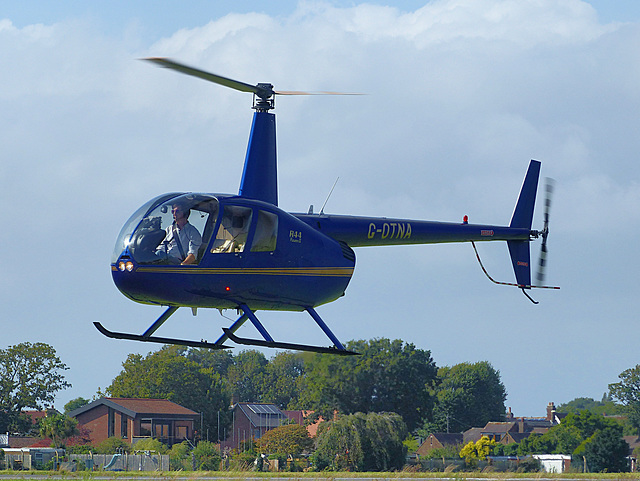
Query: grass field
{"points": [[330, 476]]}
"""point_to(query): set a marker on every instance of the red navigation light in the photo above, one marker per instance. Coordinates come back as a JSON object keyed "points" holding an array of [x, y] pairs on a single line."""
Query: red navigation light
{"points": [[465, 219]]}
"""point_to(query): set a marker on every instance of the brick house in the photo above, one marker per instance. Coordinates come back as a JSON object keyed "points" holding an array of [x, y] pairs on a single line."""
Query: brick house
{"points": [[251, 421], [135, 419], [512, 430], [439, 440]]}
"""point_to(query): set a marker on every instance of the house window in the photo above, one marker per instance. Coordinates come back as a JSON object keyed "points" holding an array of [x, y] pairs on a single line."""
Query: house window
{"points": [[124, 426], [182, 432], [111, 423], [145, 427], [162, 431]]}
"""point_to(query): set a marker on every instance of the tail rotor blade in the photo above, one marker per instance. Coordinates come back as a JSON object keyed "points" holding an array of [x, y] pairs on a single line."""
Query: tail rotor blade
{"points": [[542, 264], [550, 184]]}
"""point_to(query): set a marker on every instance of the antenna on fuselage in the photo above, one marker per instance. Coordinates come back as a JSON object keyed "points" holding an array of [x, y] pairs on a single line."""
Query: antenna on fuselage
{"points": [[330, 192]]}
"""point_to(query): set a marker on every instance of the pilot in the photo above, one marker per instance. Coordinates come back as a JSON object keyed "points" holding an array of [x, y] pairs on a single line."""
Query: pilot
{"points": [[183, 240]]}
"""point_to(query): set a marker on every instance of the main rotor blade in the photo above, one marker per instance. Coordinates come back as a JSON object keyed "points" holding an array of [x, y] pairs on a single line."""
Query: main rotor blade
{"points": [[264, 91], [211, 77], [296, 92]]}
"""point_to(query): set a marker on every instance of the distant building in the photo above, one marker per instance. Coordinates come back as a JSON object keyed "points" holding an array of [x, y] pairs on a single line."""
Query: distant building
{"points": [[512, 430], [30, 457], [252, 420], [135, 419], [553, 463], [439, 440]]}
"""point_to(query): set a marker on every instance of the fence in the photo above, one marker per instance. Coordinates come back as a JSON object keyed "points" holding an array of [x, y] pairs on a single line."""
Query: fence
{"points": [[123, 462]]}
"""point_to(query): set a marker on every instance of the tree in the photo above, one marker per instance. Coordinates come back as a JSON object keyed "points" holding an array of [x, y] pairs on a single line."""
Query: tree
{"points": [[606, 451], [30, 377], [290, 439], [361, 442], [170, 374], [247, 376], [627, 391], [468, 395], [218, 360], [569, 437], [388, 376], [606, 406], [483, 447], [75, 404], [282, 377], [58, 428]]}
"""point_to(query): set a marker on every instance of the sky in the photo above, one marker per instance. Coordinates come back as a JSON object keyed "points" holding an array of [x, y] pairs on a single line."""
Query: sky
{"points": [[460, 95]]}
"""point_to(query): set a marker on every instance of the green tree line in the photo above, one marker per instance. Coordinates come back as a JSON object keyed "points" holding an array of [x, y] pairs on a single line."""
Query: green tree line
{"points": [[389, 376], [392, 387]]}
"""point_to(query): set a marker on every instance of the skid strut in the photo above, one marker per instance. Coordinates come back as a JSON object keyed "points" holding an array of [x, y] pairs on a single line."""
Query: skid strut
{"points": [[147, 337], [268, 341], [229, 334]]}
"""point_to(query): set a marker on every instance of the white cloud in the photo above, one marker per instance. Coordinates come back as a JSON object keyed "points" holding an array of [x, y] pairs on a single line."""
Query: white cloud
{"points": [[461, 93]]}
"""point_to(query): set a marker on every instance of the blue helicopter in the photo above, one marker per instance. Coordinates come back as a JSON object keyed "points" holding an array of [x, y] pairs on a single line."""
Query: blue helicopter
{"points": [[249, 255]]}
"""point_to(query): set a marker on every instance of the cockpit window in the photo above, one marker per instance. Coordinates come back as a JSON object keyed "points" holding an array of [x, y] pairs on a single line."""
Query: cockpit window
{"points": [[124, 237], [233, 230], [175, 230], [266, 235]]}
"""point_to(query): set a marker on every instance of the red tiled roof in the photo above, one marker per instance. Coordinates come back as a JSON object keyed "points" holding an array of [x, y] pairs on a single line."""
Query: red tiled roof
{"points": [[498, 427], [35, 415], [148, 406], [41, 443]]}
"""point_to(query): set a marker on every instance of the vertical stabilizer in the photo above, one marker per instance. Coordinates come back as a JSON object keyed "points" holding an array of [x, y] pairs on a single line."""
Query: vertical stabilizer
{"points": [[522, 218], [523, 213], [260, 176]]}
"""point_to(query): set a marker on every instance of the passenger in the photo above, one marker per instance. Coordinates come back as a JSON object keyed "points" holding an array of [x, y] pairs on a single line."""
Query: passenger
{"points": [[183, 240]]}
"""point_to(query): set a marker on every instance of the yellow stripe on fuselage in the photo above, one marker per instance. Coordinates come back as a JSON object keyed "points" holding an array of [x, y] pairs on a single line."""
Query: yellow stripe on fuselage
{"points": [[293, 271]]}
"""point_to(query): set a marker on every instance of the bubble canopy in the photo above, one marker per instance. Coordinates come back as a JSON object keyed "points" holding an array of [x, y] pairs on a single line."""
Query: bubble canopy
{"points": [[145, 230]]}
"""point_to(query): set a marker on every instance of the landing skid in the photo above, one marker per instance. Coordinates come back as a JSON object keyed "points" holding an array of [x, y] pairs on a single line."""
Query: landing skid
{"points": [[160, 340], [287, 346], [247, 314]]}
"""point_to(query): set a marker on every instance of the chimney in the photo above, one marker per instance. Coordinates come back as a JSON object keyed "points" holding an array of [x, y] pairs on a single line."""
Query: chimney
{"points": [[551, 410], [520, 425], [509, 417]]}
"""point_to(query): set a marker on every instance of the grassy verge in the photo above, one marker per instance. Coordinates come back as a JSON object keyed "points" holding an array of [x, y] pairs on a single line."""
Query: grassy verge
{"points": [[245, 475]]}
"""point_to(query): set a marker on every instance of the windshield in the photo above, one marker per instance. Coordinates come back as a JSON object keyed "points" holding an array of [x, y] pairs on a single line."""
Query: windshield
{"points": [[170, 229], [125, 233]]}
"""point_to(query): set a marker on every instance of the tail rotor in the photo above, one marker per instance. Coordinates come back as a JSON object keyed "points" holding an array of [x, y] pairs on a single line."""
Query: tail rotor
{"points": [[544, 233]]}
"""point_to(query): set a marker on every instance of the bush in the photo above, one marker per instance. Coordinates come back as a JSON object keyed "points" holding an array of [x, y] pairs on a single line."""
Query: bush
{"points": [[150, 444], [112, 445], [180, 457], [207, 456], [80, 449], [529, 465], [243, 461]]}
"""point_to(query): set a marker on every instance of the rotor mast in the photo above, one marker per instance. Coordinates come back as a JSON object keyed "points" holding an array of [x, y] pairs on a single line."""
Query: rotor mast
{"points": [[259, 177], [264, 98]]}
